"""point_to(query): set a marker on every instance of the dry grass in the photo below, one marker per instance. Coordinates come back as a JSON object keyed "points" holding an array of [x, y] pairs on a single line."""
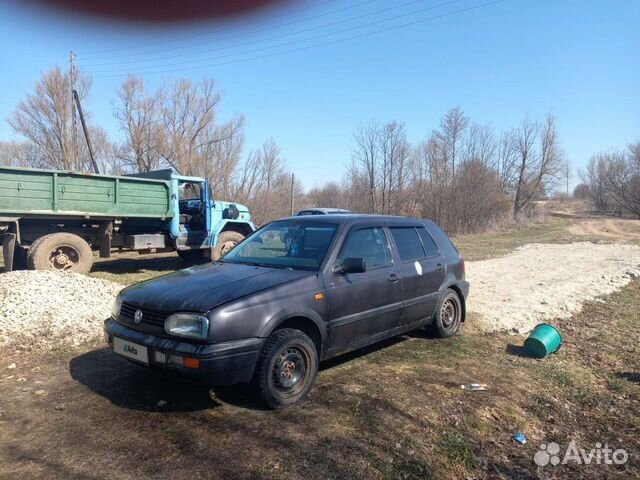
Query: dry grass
{"points": [[393, 411]]}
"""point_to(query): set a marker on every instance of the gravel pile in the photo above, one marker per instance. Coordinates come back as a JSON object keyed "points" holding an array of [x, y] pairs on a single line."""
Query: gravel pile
{"points": [[43, 310], [542, 282]]}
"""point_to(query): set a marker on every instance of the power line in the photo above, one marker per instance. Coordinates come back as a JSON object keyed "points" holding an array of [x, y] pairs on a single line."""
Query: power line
{"points": [[275, 37], [144, 45], [253, 32], [354, 37]]}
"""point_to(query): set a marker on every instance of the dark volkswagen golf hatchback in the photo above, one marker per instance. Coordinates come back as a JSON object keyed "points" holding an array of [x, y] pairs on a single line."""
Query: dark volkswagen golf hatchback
{"points": [[298, 291]]}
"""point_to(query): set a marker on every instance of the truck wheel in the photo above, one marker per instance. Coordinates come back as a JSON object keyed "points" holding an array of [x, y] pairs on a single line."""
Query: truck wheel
{"points": [[448, 316], [286, 369], [60, 251], [226, 242]]}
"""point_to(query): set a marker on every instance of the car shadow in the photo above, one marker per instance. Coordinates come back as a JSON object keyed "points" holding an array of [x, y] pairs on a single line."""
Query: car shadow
{"points": [[129, 265], [129, 386], [132, 387]]}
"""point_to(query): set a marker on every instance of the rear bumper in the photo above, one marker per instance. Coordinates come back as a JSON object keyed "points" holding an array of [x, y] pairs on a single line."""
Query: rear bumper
{"points": [[224, 363]]}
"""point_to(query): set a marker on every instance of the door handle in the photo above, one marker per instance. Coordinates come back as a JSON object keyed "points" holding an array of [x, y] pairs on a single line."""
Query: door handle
{"points": [[439, 267], [393, 278]]}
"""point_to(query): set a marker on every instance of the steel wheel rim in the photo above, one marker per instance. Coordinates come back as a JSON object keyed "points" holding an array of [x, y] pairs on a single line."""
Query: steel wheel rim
{"points": [[63, 257], [291, 370], [450, 313]]}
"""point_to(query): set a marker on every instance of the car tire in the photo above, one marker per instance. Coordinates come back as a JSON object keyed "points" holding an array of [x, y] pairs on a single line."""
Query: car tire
{"points": [[226, 242], [286, 369], [448, 316], [60, 252]]}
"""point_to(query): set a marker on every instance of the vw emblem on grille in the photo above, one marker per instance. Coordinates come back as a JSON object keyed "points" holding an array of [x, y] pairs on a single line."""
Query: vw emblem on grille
{"points": [[137, 317]]}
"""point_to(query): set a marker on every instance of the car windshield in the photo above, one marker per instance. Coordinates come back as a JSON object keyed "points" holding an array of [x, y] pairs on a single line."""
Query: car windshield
{"points": [[286, 244]]}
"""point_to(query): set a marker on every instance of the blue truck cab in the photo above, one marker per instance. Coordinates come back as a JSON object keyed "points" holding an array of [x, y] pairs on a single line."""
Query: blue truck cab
{"points": [[202, 226]]}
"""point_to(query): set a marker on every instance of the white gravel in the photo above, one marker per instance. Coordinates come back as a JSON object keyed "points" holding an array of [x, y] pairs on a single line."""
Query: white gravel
{"points": [[535, 283], [541, 282], [43, 310]]}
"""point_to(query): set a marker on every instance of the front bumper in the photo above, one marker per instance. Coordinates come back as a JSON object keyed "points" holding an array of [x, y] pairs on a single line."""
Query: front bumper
{"points": [[224, 363]]}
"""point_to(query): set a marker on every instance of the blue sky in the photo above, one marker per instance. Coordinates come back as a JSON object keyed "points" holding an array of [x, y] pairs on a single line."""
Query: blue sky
{"points": [[499, 62]]}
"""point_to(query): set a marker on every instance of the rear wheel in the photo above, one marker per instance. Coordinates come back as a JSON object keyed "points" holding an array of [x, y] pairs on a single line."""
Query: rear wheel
{"points": [[61, 252], [287, 368], [226, 242], [448, 316]]}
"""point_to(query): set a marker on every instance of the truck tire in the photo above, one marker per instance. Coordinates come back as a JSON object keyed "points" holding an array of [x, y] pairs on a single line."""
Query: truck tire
{"points": [[60, 252], [226, 242], [286, 369]]}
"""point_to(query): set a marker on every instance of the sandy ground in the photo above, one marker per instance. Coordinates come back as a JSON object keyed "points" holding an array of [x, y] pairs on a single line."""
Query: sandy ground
{"points": [[540, 282], [613, 228]]}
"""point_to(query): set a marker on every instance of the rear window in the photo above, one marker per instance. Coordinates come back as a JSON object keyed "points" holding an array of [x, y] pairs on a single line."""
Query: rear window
{"points": [[408, 243]]}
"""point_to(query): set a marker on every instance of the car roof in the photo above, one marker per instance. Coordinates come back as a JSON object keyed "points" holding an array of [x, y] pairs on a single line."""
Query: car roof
{"points": [[354, 218], [327, 211]]}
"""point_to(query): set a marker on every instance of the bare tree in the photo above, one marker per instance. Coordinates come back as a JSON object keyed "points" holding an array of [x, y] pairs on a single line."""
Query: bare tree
{"points": [[365, 161], [44, 119], [622, 178], [539, 160], [140, 116], [18, 154]]}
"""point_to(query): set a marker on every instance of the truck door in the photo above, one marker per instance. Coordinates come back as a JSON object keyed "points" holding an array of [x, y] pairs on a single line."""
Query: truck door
{"points": [[207, 201]]}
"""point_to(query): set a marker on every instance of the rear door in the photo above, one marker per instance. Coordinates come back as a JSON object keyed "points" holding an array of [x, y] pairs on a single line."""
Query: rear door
{"points": [[422, 269], [363, 305]]}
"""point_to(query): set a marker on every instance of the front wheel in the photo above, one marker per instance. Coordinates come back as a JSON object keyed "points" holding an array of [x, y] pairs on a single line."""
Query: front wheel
{"points": [[287, 368], [448, 316]]}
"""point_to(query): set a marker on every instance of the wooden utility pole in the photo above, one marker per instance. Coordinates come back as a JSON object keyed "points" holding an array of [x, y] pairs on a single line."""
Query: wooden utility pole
{"points": [[74, 127], [293, 177]]}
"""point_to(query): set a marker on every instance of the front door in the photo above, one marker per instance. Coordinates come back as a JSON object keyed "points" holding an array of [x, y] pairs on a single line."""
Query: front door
{"points": [[363, 305]]}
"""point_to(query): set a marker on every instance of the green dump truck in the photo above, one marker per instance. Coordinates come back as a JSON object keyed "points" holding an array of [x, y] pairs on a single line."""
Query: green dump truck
{"points": [[55, 220]]}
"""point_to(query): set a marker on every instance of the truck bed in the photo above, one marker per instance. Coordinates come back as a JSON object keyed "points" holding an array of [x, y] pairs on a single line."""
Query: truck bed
{"points": [[27, 191]]}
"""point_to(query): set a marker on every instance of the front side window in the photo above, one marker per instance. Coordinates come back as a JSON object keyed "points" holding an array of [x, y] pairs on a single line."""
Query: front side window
{"points": [[369, 243], [408, 243], [286, 244]]}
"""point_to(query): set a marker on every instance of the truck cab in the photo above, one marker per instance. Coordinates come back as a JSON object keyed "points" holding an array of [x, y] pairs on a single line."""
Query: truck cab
{"points": [[203, 226]]}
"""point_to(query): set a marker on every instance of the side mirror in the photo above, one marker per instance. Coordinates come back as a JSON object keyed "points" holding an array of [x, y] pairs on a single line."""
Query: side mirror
{"points": [[351, 265]]}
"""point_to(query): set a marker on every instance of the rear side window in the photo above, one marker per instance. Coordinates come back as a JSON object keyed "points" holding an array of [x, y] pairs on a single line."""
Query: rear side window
{"points": [[428, 243], [408, 243], [368, 243]]}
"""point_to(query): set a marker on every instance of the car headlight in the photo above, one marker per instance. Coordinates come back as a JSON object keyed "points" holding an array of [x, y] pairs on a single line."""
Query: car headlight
{"points": [[188, 325], [115, 308]]}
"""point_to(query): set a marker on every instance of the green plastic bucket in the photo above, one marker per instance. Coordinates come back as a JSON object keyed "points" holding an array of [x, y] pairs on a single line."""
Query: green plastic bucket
{"points": [[544, 340]]}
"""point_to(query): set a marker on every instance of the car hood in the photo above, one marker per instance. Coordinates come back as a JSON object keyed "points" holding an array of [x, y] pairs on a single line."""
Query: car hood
{"points": [[201, 288]]}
